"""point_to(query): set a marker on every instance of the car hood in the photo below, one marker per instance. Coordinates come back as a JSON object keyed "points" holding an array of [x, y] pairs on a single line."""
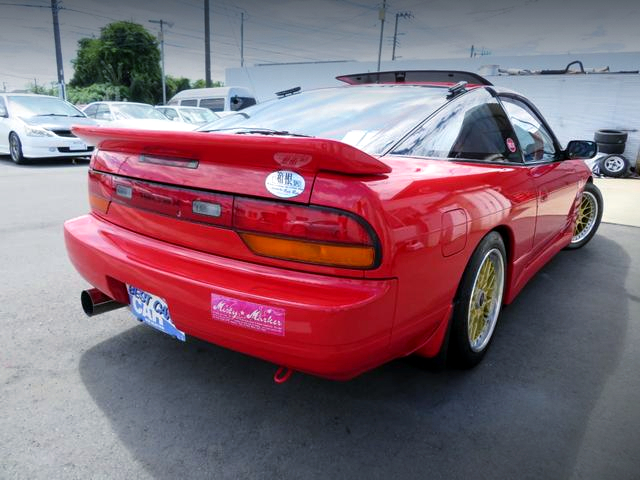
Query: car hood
{"points": [[57, 123]]}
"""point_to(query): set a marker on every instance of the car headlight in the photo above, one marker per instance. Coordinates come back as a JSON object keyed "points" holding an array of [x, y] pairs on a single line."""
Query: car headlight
{"points": [[37, 131]]}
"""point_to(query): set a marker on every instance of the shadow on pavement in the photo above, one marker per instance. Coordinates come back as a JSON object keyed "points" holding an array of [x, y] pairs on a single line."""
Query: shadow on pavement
{"points": [[32, 163], [198, 411]]}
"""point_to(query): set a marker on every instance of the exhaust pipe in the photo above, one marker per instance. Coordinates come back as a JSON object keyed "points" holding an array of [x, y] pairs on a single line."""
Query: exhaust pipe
{"points": [[94, 302]]}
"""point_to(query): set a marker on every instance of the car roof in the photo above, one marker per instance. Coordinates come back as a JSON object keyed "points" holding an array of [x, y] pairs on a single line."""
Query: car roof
{"points": [[182, 107], [113, 102]]}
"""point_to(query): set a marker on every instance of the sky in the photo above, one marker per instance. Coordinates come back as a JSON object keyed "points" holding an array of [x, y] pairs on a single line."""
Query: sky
{"points": [[283, 31]]}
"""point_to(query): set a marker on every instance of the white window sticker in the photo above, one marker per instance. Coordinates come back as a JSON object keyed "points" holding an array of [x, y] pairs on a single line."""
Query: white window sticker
{"points": [[284, 184]]}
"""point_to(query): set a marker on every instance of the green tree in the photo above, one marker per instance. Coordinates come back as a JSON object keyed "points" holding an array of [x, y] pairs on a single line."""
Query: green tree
{"points": [[202, 84], [176, 84], [96, 92], [125, 55]]}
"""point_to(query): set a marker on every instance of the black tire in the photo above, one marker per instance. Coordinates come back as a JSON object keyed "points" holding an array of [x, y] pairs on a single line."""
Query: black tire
{"points": [[476, 311], [610, 136], [614, 166], [15, 148], [617, 148], [588, 216]]}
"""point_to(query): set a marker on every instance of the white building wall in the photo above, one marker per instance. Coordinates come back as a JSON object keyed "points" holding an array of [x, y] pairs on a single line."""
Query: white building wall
{"points": [[574, 105]]}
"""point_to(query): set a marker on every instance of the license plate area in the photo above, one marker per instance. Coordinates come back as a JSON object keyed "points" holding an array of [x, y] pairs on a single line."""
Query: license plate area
{"points": [[77, 146], [153, 310]]}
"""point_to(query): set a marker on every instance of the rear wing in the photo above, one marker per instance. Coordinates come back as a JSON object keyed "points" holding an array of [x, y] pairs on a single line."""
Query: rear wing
{"points": [[415, 76], [190, 149]]}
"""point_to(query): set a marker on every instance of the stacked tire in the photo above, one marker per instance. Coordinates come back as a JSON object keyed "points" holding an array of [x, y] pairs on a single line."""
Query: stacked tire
{"points": [[613, 144], [611, 141]]}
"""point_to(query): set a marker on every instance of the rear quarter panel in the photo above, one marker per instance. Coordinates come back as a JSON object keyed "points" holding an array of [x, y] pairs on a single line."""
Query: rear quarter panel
{"points": [[430, 215]]}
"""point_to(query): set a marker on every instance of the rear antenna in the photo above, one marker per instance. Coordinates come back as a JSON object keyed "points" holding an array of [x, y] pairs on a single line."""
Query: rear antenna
{"points": [[457, 89], [286, 93]]}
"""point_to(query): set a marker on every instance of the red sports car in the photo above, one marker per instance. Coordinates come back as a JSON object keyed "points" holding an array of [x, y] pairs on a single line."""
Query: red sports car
{"points": [[332, 230]]}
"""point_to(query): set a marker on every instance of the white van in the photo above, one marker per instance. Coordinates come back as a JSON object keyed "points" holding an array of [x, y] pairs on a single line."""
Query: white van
{"points": [[216, 99]]}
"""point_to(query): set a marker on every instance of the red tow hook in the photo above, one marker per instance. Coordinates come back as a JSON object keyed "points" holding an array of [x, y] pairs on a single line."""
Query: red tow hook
{"points": [[282, 375]]}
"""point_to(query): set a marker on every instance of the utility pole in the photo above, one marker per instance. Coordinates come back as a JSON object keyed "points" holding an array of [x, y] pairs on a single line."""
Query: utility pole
{"points": [[395, 33], [56, 36], [242, 39], [381, 15], [162, 23], [207, 45]]}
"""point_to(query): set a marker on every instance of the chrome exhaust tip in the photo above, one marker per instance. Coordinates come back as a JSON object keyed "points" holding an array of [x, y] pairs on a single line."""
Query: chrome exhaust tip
{"points": [[94, 302]]}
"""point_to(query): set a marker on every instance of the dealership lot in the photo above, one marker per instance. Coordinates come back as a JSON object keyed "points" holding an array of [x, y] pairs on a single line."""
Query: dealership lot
{"points": [[556, 397]]}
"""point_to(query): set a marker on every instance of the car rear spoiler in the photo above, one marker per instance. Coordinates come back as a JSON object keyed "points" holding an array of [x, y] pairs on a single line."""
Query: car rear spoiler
{"points": [[191, 148], [415, 76]]}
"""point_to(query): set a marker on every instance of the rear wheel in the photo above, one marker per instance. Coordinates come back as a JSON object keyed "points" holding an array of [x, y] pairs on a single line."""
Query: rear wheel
{"points": [[479, 301], [589, 216], [15, 148]]}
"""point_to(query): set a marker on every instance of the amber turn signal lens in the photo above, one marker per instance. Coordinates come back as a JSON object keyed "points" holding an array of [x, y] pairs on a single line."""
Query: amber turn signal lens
{"points": [[99, 204], [310, 252]]}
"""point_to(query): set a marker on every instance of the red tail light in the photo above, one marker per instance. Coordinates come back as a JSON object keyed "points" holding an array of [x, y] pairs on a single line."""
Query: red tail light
{"points": [[310, 234], [305, 233]]}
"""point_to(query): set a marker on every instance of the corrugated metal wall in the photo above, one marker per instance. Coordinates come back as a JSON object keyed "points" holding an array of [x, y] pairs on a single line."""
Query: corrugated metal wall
{"points": [[577, 105]]}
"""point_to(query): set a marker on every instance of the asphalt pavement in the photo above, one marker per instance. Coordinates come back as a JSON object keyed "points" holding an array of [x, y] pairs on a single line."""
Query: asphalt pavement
{"points": [[556, 398]]}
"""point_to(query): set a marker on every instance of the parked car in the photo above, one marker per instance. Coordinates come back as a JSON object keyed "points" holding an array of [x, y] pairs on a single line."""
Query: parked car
{"points": [[132, 115], [192, 115], [39, 126], [216, 99], [336, 229]]}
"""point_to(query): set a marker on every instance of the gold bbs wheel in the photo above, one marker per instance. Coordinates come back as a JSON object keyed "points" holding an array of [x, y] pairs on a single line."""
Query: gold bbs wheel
{"points": [[478, 302], [588, 216]]}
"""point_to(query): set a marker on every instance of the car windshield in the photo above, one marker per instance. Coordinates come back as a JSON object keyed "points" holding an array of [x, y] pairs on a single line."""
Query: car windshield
{"points": [[372, 117], [136, 110], [198, 115], [33, 106]]}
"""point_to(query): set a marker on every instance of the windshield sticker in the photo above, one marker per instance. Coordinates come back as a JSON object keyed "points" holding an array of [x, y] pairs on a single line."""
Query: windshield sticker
{"points": [[284, 184], [292, 160], [511, 145], [253, 316]]}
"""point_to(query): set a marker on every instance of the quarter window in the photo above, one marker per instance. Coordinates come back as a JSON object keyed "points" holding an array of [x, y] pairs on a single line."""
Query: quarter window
{"points": [[473, 127], [535, 140], [91, 110], [103, 112], [170, 113]]}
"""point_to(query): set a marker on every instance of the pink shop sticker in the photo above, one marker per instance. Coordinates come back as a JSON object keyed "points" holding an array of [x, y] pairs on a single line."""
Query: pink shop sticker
{"points": [[511, 145], [253, 316]]}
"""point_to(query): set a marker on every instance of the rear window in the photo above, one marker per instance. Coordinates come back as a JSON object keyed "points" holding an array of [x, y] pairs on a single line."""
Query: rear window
{"points": [[372, 117]]}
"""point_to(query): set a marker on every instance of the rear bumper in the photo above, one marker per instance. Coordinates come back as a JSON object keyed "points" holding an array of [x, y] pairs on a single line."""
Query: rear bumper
{"points": [[333, 327]]}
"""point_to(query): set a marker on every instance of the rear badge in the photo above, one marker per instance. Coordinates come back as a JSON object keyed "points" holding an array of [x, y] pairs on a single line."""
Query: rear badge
{"points": [[253, 316], [284, 184]]}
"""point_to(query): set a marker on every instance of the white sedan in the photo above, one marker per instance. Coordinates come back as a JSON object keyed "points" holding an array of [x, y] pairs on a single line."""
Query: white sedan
{"points": [[39, 126]]}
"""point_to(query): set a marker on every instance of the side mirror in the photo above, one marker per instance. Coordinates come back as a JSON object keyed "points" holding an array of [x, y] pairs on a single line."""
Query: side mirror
{"points": [[3, 112], [581, 149]]}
